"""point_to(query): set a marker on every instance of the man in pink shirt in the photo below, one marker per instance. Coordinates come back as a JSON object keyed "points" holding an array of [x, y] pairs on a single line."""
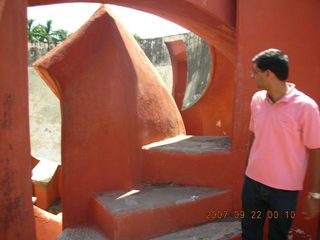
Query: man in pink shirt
{"points": [[285, 126]]}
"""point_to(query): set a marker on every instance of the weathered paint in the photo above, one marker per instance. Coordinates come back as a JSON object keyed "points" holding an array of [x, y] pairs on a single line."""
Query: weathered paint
{"points": [[16, 213]]}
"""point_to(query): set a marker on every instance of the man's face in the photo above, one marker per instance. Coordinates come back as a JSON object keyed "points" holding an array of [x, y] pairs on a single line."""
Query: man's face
{"points": [[260, 77]]}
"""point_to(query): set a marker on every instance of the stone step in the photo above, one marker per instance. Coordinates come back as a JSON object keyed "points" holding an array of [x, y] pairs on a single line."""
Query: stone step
{"points": [[188, 160], [81, 233], [192, 144], [223, 229], [156, 210]]}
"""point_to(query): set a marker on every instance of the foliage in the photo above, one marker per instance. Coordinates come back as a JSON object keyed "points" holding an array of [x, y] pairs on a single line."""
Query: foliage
{"points": [[45, 33], [136, 36], [60, 35]]}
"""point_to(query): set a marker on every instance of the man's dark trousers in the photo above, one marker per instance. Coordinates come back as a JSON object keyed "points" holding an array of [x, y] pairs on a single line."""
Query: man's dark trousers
{"points": [[260, 202]]}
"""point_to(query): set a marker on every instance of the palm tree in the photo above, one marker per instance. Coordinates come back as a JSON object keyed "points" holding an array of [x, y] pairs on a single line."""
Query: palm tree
{"points": [[42, 32], [60, 35], [30, 35]]}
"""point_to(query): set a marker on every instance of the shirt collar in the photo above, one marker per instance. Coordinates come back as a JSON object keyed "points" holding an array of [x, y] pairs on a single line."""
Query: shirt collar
{"points": [[286, 98]]}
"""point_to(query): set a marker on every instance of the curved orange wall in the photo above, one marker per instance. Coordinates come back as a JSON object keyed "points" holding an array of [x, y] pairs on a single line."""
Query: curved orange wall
{"points": [[204, 21], [211, 115], [223, 9], [112, 103]]}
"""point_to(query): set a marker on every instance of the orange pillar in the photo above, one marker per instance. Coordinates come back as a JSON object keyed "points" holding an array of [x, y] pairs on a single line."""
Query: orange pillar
{"points": [[16, 212]]}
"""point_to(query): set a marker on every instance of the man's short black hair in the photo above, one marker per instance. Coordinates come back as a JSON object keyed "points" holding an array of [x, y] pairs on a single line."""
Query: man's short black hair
{"points": [[274, 60]]}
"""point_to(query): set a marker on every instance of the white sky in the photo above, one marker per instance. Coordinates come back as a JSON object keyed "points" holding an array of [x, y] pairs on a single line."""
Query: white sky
{"points": [[71, 16]]}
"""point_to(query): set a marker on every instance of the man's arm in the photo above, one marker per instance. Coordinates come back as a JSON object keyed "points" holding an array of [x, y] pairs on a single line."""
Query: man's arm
{"points": [[251, 139], [312, 207]]}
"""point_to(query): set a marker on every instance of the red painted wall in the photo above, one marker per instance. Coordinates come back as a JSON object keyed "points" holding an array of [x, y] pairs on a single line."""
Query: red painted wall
{"points": [[223, 9], [16, 212], [290, 25]]}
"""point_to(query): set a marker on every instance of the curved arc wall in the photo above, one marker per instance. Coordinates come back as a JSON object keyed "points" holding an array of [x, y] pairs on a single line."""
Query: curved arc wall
{"points": [[204, 23]]}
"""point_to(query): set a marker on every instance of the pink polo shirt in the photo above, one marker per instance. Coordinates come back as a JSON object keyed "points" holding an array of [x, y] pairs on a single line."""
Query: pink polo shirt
{"points": [[283, 132]]}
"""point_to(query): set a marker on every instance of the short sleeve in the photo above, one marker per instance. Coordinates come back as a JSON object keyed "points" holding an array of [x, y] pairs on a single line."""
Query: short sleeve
{"points": [[311, 126], [251, 124]]}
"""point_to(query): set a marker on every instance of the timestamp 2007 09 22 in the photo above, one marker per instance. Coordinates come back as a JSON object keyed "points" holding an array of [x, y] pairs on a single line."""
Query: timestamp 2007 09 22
{"points": [[211, 215]]}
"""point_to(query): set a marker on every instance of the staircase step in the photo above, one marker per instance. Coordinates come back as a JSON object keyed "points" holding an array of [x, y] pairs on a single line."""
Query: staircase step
{"points": [[81, 233], [192, 144], [188, 160], [156, 210], [222, 229]]}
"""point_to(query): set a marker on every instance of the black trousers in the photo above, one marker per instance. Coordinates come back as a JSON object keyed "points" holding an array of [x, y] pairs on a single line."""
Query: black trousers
{"points": [[261, 202]]}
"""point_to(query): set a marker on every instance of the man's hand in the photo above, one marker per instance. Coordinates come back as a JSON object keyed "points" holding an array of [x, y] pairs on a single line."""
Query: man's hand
{"points": [[311, 208], [312, 205]]}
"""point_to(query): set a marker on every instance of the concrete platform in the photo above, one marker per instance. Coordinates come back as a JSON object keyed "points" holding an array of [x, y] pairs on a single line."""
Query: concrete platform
{"points": [[192, 144], [156, 210]]}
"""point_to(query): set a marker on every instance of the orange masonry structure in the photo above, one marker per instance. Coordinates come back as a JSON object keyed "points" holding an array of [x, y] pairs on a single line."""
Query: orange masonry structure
{"points": [[134, 164]]}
